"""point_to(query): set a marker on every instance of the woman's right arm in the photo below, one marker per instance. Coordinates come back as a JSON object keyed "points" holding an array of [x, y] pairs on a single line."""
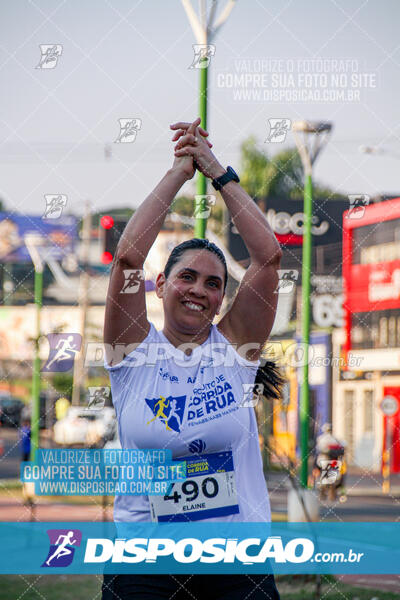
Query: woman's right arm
{"points": [[125, 316]]}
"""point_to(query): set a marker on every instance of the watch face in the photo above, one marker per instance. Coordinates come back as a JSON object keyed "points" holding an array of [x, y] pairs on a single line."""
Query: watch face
{"points": [[232, 172]]}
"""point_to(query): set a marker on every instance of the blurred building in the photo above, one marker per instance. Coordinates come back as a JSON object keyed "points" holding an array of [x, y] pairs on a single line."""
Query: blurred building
{"points": [[357, 309], [367, 394], [286, 218]]}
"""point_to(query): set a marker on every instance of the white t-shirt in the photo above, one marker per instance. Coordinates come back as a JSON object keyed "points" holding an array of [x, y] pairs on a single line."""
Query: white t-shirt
{"points": [[191, 405]]}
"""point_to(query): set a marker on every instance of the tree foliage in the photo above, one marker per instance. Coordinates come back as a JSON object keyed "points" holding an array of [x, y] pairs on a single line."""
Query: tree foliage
{"points": [[62, 383], [279, 175]]}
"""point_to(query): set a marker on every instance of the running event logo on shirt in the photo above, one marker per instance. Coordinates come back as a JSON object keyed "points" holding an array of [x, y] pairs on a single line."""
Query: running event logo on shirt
{"points": [[61, 551], [168, 410]]}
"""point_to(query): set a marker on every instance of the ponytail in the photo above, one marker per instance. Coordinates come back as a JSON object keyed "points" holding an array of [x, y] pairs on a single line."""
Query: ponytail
{"points": [[270, 376]]}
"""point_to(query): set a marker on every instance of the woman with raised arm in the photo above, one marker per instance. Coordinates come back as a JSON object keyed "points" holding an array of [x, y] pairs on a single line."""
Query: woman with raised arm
{"points": [[183, 388]]}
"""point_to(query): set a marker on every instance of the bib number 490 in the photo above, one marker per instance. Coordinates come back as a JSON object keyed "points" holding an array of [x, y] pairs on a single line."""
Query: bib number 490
{"points": [[190, 488]]}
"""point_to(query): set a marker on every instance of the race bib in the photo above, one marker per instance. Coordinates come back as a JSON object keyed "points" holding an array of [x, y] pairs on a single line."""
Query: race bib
{"points": [[209, 491]]}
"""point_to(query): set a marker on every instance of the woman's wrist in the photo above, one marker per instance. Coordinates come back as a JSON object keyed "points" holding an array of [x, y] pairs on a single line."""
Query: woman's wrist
{"points": [[178, 175], [210, 168], [216, 170]]}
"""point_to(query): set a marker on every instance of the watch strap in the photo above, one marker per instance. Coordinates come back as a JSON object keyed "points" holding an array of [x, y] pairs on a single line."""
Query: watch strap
{"points": [[229, 175]]}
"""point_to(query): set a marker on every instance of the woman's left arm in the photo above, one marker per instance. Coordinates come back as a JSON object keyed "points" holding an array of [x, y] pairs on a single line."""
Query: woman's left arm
{"points": [[252, 314]]}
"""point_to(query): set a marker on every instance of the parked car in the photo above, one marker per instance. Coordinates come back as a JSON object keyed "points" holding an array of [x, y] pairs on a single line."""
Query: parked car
{"points": [[114, 443], [85, 427], [10, 410]]}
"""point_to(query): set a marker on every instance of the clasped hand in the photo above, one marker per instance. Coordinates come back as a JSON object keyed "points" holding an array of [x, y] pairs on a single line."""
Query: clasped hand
{"points": [[193, 150]]}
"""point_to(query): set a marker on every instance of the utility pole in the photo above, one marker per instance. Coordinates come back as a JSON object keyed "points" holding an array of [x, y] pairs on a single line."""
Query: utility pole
{"points": [[83, 302], [33, 242], [311, 132], [205, 31]]}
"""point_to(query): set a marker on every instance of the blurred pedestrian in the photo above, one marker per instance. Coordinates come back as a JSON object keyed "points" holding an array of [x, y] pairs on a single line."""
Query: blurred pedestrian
{"points": [[62, 407], [25, 440]]}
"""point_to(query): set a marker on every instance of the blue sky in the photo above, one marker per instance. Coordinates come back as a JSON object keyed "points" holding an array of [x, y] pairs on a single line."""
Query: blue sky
{"points": [[124, 59]]}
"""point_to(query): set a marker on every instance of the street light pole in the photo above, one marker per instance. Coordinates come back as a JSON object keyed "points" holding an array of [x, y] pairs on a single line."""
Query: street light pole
{"points": [[84, 303], [204, 30], [318, 132], [32, 243], [201, 186]]}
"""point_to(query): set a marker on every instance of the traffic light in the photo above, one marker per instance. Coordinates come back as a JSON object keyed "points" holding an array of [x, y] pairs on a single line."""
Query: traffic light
{"points": [[111, 230]]}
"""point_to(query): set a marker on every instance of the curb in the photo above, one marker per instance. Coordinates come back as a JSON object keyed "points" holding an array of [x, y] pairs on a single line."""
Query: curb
{"points": [[365, 491]]}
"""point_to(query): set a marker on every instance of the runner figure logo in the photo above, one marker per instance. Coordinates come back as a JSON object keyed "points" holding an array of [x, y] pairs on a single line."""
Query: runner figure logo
{"points": [[202, 55], [63, 347], [278, 129], [50, 53], [54, 205], [251, 394], [133, 278], [97, 397], [358, 202], [169, 411], [128, 130], [287, 280], [62, 547], [330, 471], [203, 204]]}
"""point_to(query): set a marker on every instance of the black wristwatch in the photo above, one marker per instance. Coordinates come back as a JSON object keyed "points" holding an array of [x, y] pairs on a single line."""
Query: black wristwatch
{"points": [[230, 175]]}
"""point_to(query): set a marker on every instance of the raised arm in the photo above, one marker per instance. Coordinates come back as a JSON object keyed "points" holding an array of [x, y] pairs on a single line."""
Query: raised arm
{"points": [[252, 314], [253, 311], [125, 315]]}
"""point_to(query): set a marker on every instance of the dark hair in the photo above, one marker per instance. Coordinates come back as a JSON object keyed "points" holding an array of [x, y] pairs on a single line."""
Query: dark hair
{"points": [[194, 244], [270, 376]]}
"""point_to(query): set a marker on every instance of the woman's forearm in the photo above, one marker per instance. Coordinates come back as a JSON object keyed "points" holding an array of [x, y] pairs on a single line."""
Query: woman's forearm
{"points": [[144, 226], [252, 225]]}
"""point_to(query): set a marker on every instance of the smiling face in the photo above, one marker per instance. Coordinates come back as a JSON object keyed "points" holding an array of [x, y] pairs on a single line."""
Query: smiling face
{"points": [[193, 293]]}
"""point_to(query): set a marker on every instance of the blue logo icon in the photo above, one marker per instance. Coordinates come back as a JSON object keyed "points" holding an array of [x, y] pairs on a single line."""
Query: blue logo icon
{"points": [[168, 410], [61, 551], [197, 446], [63, 348]]}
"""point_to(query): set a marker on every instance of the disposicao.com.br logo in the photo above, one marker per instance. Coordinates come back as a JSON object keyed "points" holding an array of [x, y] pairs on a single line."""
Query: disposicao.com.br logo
{"points": [[191, 550], [223, 548]]}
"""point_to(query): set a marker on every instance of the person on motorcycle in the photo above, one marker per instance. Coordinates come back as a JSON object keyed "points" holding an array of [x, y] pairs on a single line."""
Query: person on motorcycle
{"points": [[326, 439], [329, 466]]}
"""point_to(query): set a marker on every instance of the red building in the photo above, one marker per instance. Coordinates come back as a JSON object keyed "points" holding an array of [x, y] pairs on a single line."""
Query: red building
{"points": [[371, 272]]}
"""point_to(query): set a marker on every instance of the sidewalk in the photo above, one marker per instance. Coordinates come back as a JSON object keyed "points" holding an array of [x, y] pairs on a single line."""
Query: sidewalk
{"points": [[12, 508]]}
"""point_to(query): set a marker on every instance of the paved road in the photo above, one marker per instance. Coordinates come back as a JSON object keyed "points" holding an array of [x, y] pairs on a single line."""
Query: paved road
{"points": [[365, 501], [357, 508]]}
